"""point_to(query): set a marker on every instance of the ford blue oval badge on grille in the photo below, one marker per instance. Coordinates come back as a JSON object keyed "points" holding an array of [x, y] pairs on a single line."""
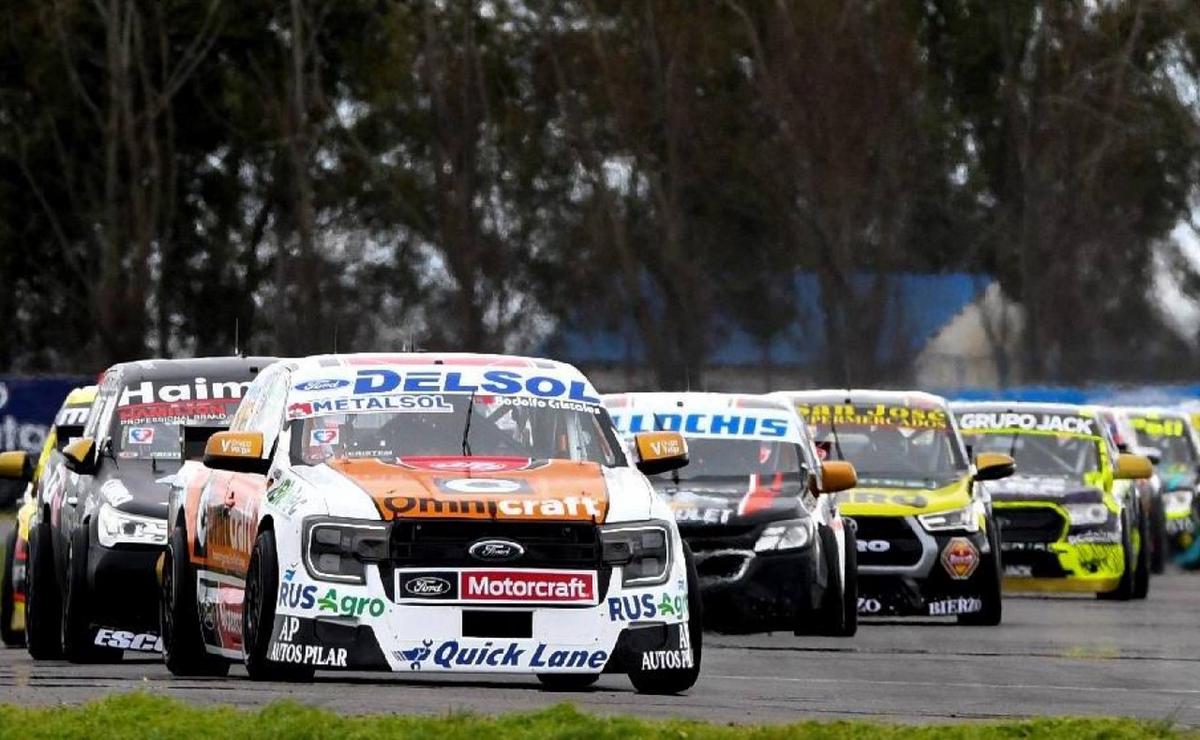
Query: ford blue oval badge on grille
{"points": [[496, 551]]}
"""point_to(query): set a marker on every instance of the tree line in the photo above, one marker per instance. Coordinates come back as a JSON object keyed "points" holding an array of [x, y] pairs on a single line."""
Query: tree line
{"points": [[186, 176]]}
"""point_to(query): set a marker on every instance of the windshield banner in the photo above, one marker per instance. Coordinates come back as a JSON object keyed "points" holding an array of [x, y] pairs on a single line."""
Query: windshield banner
{"points": [[874, 415], [1012, 421]]}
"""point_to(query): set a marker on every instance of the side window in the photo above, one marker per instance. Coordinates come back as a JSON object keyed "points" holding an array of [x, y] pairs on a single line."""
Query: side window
{"points": [[100, 415], [266, 410]]}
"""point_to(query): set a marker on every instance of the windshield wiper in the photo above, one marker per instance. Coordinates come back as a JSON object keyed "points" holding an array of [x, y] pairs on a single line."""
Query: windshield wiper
{"points": [[466, 442]]}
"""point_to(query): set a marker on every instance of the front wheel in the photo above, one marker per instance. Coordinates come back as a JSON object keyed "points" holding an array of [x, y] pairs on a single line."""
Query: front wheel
{"points": [[676, 680], [1141, 578], [1158, 536], [178, 620], [43, 601], [9, 635], [1125, 587], [990, 587], [258, 615], [77, 633]]}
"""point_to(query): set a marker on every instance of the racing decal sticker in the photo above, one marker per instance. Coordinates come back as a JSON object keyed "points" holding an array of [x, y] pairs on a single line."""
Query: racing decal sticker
{"points": [[283, 650], [452, 655], [140, 435], [869, 606], [1060, 423], [395, 403], [147, 642], [952, 606], [287, 496], [199, 389], [879, 414], [181, 411], [498, 586], [646, 606], [1159, 427], [326, 436], [679, 659], [482, 485], [327, 384], [960, 558], [704, 424], [540, 494], [428, 585]]}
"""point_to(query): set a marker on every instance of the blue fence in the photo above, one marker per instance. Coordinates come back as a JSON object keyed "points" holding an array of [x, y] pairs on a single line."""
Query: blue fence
{"points": [[1123, 395], [28, 405]]}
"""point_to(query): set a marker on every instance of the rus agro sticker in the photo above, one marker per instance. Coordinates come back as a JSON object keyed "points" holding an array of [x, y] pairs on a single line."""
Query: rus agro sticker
{"points": [[141, 435], [960, 558]]}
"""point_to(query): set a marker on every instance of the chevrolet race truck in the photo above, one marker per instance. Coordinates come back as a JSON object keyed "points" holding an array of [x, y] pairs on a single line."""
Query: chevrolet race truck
{"points": [[453, 513], [772, 551]]}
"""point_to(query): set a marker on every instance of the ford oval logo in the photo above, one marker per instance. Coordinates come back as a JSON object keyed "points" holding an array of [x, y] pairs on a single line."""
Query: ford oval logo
{"points": [[327, 384], [427, 586], [496, 551]]}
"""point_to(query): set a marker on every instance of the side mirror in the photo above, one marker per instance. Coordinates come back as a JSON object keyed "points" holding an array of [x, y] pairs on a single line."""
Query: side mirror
{"points": [[80, 456], [193, 440], [994, 466], [16, 466], [1133, 467], [837, 475], [64, 433], [659, 452], [238, 452]]}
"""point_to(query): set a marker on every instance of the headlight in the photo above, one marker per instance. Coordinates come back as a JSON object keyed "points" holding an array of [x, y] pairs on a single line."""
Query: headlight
{"points": [[789, 535], [643, 551], [1085, 514], [966, 518], [337, 550], [1177, 502], [116, 527]]}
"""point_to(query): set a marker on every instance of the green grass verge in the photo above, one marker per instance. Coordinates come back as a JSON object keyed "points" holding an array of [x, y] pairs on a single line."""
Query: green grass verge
{"points": [[144, 716]]}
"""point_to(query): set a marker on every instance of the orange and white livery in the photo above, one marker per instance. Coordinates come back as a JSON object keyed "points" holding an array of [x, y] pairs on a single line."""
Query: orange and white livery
{"points": [[406, 512]]}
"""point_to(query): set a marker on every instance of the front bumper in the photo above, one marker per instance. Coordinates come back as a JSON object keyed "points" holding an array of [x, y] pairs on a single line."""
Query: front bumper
{"points": [[371, 627], [1042, 552], [123, 588], [903, 570]]}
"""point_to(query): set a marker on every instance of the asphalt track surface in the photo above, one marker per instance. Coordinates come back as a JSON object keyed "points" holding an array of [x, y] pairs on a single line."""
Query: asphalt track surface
{"points": [[1052, 656]]}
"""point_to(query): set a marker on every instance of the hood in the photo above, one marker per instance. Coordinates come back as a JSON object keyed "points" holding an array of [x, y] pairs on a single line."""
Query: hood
{"points": [[137, 487], [481, 488], [1060, 489], [741, 499], [872, 499]]}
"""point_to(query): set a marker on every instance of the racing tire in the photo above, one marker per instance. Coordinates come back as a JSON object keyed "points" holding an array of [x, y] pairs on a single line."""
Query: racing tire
{"points": [[178, 617], [567, 681], [258, 615], [1125, 587], [8, 607], [1141, 577], [1158, 536], [831, 618], [992, 587], [677, 680], [77, 638], [43, 601]]}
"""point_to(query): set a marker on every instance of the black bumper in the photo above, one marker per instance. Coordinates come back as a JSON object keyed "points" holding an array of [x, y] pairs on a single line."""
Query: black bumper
{"points": [[745, 591], [933, 593], [123, 587]]}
